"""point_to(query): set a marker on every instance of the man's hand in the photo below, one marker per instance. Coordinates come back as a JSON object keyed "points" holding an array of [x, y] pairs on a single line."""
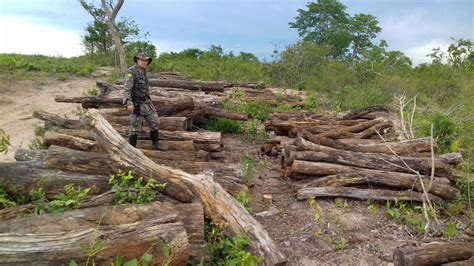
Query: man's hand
{"points": [[130, 108]]}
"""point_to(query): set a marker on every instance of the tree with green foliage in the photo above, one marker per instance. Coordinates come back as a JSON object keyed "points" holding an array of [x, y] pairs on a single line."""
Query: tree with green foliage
{"points": [[326, 22], [98, 38], [460, 54]]}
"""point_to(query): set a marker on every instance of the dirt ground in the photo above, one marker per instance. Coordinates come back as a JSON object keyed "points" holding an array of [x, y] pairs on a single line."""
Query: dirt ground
{"points": [[20, 97], [348, 232], [321, 233]]}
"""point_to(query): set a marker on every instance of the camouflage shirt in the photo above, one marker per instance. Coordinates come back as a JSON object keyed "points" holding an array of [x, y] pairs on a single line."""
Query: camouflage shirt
{"points": [[136, 85]]}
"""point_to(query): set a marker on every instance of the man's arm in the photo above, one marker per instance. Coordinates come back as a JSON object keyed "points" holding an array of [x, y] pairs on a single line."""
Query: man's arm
{"points": [[127, 92]]}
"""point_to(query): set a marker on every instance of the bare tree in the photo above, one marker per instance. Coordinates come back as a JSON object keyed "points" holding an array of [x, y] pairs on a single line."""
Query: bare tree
{"points": [[111, 10]]}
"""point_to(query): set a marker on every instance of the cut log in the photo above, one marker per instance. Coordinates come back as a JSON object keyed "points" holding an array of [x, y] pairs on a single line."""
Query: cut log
{"points": [[212, 111], [408, 148], [388, 179], [179, 156], [76, 143], [126, 230], [20, 178], [362, 194], [433, 254], [163, 105], [183, 145], [376, 161], [168, 123], [221, 207], [52, 120], [365, 111], [211, 86]]}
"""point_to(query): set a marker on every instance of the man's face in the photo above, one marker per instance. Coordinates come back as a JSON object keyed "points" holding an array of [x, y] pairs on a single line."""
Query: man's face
{"points": [[142, 63]]}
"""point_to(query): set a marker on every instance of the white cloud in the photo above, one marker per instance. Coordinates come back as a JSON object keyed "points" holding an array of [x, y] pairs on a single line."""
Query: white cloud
{"points": [[19, 36], [418, 53]]}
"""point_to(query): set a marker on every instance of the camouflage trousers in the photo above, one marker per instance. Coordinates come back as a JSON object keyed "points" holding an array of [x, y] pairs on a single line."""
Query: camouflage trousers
{"points": [[147, 112]]}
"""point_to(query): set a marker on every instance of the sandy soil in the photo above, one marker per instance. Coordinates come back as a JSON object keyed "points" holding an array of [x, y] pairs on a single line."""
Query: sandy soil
{"points": [[19, 98]]}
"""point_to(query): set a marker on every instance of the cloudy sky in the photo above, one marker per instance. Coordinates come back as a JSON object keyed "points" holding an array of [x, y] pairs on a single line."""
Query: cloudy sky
{"points": [[54, 27]]}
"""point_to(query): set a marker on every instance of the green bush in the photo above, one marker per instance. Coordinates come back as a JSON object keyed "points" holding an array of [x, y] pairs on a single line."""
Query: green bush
{"points": [[444, 131], [129, 189], [76, 65], [224, 250], [224, 125]]}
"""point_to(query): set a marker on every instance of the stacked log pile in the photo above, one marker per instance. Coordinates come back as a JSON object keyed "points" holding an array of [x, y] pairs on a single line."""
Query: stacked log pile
{"points": [[355, 156], [85, 156]]}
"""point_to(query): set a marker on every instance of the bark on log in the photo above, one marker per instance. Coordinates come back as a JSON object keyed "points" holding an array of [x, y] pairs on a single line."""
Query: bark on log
{"points": [[163, 105], [20, 178], [56, 120], [183, 145], [221, 207], [433, 254], [389, 179], [168, 123], [211, 86], [362, 194], [365, 111], [53, 138], [212, 111], [179, 156], [376, 161], [410, 148], [128, 230]]}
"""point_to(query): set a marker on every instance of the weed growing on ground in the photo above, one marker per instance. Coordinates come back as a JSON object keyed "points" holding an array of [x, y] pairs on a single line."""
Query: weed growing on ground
{"points": [[224, 125], [245, 200], [250, 167], [223, 250], [129, 189], [4, 141]]}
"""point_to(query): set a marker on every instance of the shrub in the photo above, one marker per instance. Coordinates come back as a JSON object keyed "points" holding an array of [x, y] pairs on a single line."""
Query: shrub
{"points": [[224, 125]]}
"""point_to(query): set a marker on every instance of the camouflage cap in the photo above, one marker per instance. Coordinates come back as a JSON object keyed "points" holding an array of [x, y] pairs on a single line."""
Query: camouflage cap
{"points": [[143, 56]]}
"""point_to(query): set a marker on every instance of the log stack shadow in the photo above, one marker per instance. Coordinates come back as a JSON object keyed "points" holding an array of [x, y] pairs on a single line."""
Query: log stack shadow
{"points": [[356, 156]]}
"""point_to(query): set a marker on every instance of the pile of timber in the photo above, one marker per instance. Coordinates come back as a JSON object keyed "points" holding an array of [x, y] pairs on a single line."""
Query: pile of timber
{"points": [[355, 156], [84, 153]]}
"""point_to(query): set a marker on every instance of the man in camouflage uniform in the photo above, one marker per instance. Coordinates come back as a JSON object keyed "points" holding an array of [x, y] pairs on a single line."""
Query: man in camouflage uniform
{"points": [[138, 102]]}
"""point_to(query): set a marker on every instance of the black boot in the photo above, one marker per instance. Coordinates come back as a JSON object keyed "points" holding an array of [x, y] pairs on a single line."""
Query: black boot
{"points": [[154, 141], [132, 139]]}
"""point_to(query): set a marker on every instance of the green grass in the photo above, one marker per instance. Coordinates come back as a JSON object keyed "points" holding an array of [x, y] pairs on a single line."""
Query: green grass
{"points": [[224, 125], [75, 65]]}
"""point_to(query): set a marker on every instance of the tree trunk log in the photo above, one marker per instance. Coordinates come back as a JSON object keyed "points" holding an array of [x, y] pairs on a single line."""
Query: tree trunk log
{"points": [[126, 230], [365, 111], [53, 138], [390, 179], [187, 84], [221, 207], [409, 148], [56, 120], [163, 105], [172, 145], [212, 111], [20, 178], [362, 194], [433, 254], [376, 161], [168, 123]]}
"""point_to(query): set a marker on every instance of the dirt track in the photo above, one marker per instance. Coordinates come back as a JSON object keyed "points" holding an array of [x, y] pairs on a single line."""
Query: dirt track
{"points": [[19, 98]]}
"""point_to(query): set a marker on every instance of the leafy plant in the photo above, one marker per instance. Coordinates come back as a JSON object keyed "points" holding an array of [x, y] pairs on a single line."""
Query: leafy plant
{"points": [[250, 167], [5, 200], [245, 199], [129, 189], [224, 250], [445, 131], [37, 141], [224, 125], [63, 77], [255, 130], [93, 91], [4, 141], [450, 230]]}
